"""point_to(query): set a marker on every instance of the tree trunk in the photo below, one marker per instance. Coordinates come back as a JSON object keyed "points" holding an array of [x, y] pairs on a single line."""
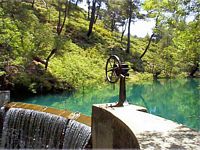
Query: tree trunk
{"points": [[194, 70], [33, 2], [38, 59], [96, 17], [92, 19], [123, 31], [59, 29], [147, 47], [77, 2], [97, 12], [49, 57], [129, 26], [59, 25], [113, 23], [88, 2], [150, 39], [129, 34]]}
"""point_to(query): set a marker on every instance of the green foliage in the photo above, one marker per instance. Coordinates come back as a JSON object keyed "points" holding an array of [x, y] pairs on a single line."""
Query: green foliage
{"points": [[79, 67], [177, 39], [139, 77], [2, 73], [31, 32], [182, 75]]}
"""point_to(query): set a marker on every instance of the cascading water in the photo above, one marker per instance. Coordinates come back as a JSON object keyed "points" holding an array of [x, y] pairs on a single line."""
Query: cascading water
{"points": [[23, 128], [80, 135]]}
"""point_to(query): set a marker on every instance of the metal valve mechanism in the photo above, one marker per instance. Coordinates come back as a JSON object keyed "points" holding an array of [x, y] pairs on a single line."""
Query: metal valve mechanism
{"points": [[116, 70]]}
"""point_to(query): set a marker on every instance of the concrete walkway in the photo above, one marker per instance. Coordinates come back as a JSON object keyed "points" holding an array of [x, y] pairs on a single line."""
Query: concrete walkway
{"points": [[178, 138], [153, 132]]}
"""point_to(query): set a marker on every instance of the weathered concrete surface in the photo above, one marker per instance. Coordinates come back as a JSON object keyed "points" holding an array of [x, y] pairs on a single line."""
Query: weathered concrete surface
{"points": [[4, 97], [178, 138], [110, 132], [151, 132]]}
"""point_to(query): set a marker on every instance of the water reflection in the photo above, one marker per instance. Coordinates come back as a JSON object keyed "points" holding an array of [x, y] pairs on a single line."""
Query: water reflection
{"points": [[177, 100]]}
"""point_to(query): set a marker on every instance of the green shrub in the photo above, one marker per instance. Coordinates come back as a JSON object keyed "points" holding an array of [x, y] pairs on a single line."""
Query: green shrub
{"points": [[182, 75], [78, 67], [2, 73], [140, 77]]}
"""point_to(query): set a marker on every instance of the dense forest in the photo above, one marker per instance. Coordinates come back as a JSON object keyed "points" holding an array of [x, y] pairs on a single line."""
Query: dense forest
{"points": [[54, 45]]}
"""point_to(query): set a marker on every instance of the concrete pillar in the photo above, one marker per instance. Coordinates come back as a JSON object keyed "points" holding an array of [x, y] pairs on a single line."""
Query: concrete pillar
{"points": [[108, 131], [4, 97]]}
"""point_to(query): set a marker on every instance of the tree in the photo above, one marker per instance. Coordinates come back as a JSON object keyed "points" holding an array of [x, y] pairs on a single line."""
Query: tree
{"points": [[124, 26], [92, 19], [78, 1], [114, 15], [132, 12], [187, 43], [59, 28], [89, 7], [172, 34], [96, 6], [122, 13], [151, 38]]}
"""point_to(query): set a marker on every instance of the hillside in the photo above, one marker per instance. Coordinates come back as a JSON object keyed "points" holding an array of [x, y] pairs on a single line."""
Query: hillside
{"points": [[30, 34], [27, 38]]}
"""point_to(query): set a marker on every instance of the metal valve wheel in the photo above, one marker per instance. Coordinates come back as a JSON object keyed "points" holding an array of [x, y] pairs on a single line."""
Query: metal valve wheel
{"points": [[113, 69]]}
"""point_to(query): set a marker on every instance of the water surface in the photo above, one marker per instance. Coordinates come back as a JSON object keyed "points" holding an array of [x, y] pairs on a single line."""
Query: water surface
{"points": [[177, 100]]}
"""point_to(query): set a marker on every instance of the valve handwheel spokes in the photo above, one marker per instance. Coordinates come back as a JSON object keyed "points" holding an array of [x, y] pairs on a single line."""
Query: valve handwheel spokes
{"points": [[113, 69]]}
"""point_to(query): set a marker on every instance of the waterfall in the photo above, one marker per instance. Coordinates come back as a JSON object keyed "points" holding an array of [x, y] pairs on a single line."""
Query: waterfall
{"points": [[79, 135], [23, 128]]}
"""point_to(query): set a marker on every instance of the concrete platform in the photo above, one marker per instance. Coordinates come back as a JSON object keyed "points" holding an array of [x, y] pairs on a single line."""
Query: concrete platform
{"points": [[148, 131]]}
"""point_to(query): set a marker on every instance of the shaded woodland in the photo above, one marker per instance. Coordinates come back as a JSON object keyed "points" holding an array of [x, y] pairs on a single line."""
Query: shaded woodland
{"points": [[54, 45]]}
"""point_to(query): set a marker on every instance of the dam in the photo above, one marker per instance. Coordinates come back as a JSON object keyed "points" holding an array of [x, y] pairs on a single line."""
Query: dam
{"points": [[32, 126], [28, 129]]}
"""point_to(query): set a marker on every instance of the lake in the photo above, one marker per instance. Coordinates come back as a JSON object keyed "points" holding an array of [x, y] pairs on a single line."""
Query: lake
{"points": [[175, 99]]}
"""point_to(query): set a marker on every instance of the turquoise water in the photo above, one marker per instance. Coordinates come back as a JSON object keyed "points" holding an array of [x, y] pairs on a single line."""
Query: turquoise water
{"points": [[177, 100]]}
